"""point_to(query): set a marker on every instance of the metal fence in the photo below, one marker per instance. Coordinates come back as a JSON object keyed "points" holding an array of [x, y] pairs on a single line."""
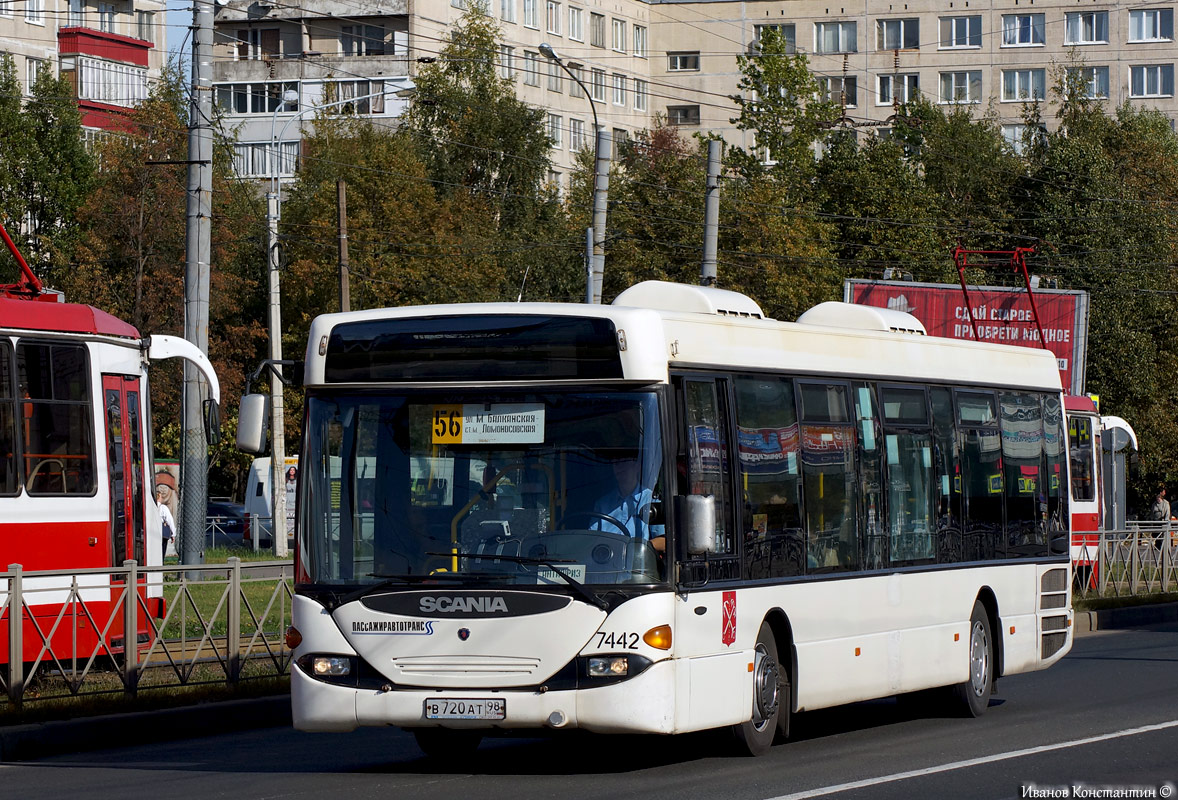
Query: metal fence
{"points": [[191, 626], [1141, 560]]}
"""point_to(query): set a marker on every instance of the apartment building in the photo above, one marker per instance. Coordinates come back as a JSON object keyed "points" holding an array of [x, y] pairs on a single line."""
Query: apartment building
{"points": [[109, 51], [678, 60]]}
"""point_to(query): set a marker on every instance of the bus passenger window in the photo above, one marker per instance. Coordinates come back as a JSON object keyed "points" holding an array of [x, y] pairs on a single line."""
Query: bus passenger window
{"points": [[1057, 489], [908, 446], [829, 478], [707, 460], [770, 477], [946, 476], [982, 479], [1022, 459]]}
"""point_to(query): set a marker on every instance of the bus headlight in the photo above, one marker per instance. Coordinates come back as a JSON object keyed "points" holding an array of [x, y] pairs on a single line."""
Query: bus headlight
{"points": [[331, 666], [609, 666]]}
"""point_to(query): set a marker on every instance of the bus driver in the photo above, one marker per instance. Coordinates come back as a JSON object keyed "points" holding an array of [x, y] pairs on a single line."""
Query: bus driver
{"points": [[629, 503]]}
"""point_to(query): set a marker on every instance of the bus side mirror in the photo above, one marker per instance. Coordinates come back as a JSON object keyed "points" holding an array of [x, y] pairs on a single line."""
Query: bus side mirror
{"points": [[212, 422], [251, 423], [701, 524]]}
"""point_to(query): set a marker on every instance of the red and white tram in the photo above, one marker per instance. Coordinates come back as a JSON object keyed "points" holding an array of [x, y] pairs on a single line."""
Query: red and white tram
{"points": [[75, 462]]}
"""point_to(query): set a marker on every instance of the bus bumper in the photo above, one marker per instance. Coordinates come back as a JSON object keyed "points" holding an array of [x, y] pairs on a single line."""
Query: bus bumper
{"points": [[642, 704]]}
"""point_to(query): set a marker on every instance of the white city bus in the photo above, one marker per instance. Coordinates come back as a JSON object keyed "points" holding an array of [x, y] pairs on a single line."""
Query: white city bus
{"points": [[827, 511]]}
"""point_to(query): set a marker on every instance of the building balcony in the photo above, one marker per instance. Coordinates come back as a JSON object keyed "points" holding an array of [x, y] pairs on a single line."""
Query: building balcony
{"points": [[311, 66], [100, 44]]}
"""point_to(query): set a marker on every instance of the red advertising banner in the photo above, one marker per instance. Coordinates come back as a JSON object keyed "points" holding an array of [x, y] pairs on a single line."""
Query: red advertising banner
{"points": [[1002, 315]]}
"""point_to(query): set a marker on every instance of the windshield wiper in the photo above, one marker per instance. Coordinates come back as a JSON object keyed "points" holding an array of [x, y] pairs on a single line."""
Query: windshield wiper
{"points": [[578, 588], [408, 578]]}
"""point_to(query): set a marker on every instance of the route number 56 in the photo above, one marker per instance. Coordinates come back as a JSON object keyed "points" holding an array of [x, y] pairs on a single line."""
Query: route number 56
{"points": [[447, 424]]}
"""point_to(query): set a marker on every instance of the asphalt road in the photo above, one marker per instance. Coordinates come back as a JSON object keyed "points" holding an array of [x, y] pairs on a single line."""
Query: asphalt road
{"points": [[1105, 717]]}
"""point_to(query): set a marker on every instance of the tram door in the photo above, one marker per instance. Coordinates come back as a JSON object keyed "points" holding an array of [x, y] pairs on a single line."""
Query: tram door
{"points": [[124, 447]]}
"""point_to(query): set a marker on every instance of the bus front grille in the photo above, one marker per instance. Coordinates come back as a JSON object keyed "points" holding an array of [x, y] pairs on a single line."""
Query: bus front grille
{"points": [[473, 666]]}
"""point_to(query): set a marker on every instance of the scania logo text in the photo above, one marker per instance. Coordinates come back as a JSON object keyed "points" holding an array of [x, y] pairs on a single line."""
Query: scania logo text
{"points": [[464, 605]]}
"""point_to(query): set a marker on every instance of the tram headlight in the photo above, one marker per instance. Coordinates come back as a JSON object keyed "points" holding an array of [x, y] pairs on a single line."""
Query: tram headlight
{"points": [[609, 666], [331, 666]]}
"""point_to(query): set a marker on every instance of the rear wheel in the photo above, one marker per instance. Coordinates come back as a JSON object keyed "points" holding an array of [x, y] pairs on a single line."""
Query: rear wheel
{"points": [[448, 742], [973, 696], [770, 698]]}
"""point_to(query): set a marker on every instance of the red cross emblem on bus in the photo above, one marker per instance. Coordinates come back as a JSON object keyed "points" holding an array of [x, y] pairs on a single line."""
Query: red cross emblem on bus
{"points": [[728, 623]]}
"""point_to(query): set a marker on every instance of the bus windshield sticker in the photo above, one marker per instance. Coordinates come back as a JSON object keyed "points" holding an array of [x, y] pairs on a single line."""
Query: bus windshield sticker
{"points": [[574, 571], [488, 423]]}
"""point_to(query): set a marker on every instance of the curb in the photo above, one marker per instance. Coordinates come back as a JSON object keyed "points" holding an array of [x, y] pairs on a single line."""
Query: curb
{"points": [[1128, 617], [35, 740]]}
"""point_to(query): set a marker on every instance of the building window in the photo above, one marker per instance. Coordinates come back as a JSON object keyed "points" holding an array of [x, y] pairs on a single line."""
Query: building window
{"points": [[106, 17], [1092, 81], [640, 94], [111, 82], [1022, 30], [576, 134], [682, 115], [786, 32], [640, 41], [575, 88], [836, 37], [35, 11], [898, 88], [1023, 84], [368, 96], [530, 18], [6, 8], [359, 40], [576, 24], [507, 10], [552, 17], [144, 22], [507, 62], [961, 32], [531, 68], [897, 34], [620, 139], [1018, 135], [840, 91], [619, 90], [618, 35], [1151, 80], [252, 159], [683, 62], [597, 29], [74, 18], [599, 84], [255, 44], [1086, 27], [961, 87], [555, 124], [33, 69], [1151, 25], [555, 83]]}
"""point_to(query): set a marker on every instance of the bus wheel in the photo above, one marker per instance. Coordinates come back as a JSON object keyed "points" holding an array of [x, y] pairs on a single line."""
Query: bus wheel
{"points": [[448, 742], [755, 737], [973, 696]]}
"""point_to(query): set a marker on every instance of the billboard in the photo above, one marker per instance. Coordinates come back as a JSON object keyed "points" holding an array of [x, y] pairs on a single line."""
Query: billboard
{"points": [[1003, 315]]}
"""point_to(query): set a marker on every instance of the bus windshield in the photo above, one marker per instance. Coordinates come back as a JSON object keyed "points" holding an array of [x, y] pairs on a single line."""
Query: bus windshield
{"points": [[402, 486]]}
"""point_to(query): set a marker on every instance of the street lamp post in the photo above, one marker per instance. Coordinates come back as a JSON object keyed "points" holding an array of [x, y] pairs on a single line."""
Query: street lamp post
{"points": [[273, 216], [595, 255]]}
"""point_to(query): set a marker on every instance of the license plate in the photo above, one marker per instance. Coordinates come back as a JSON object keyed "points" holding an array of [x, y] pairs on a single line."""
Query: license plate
{"points": [[465, 708]]}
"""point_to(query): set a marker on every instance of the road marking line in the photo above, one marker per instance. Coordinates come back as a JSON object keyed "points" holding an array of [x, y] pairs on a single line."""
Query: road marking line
{"points": [[973, 762]]}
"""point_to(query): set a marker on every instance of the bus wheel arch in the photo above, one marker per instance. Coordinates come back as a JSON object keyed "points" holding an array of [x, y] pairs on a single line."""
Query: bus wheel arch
{"points": [[989, 601], [787, 661]]}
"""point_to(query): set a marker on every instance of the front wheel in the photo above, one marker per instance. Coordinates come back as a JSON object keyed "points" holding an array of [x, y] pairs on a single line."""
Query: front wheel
{"points": [[448, 742], [770, 692], [972, 697]]}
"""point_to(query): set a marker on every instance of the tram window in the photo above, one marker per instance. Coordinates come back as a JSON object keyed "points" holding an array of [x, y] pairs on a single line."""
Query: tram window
{"points": [[947, 477], [55, 420], [770, 476], [9, 473], [981, 478], [908, 446], [1057, 494], [1081, 452], [1021, 417], [830, 484]]}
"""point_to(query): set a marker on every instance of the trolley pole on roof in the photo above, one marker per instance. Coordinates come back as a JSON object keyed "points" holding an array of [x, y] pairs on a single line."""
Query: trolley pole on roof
{"points": [[198, 250]]}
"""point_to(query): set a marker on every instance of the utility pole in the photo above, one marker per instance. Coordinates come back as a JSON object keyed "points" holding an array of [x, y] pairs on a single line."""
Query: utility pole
{"points": [[198, 250], [600, 204], [707, 270], [277, 413], [341, 202]]}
